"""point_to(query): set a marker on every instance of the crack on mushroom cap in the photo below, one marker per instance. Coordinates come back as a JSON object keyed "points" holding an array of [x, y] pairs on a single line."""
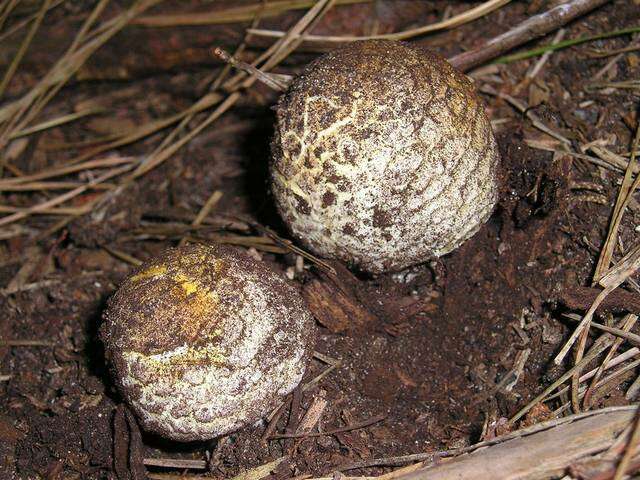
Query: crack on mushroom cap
{"points": [[385, 131], [204, 340]]}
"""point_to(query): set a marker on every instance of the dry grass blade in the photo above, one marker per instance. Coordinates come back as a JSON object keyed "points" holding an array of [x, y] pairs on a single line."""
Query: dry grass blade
{"points": [[64, 197], [65, 170], [599, 346], [260, 472], [47, 211], [278, 53], [17, 58], [348, 428], [86, 26], [37, 186], [525, 110], [610, 281], [22, 23], [211, 202], [17, 114], [290, 246], [152, 127], [614, 362], [624, 197], [154, 160], [611, 381], [55, 122], [231, 15], [120, 255], [5, 11], [455, 21], [629, 322], [176, 463], [214, 86]]}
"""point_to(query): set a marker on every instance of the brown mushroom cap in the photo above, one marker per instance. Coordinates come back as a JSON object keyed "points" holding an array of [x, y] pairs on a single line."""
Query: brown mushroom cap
{"points": [[204, 340], [383, 156]]}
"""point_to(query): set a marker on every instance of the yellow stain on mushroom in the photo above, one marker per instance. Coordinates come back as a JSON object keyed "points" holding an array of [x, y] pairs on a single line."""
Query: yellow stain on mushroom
{"points": [[187, 284], [155, 271]]}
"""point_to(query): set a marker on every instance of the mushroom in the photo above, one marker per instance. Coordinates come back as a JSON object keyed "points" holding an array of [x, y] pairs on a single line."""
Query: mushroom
{"points": [[383, 157], [204, 340]]}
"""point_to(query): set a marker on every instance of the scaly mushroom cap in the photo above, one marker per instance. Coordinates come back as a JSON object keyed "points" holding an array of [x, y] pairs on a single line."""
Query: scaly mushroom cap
{"points": [[383, 156], [205, 340]]}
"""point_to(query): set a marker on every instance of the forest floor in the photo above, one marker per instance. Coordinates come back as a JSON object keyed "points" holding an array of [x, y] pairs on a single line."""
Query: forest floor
{"points": [[451, 349]]}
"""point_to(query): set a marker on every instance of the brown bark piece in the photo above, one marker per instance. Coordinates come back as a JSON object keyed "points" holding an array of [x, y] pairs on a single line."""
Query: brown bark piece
{"points": [[542, 455], [335, 310], [581, 298], [127, 447]]}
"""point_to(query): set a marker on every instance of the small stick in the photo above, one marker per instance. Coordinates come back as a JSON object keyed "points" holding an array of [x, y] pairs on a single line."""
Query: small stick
{"points": [[268, 79], [531, 28], [175, 463]]}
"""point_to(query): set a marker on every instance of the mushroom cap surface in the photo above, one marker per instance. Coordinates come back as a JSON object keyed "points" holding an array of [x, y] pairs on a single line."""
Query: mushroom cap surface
{"points": [[383, 156], [204, 340]]}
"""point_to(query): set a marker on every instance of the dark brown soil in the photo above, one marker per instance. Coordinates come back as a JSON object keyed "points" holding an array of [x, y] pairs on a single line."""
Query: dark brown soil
{"points": [[432, 344]]}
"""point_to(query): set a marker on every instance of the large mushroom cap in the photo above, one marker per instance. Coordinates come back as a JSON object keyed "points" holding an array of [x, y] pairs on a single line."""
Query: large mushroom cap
{"points": [[205, 340], [383, 156]]}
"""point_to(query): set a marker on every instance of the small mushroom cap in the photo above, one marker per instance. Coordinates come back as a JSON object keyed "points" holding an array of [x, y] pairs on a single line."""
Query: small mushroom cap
{"points": [[383, 156], [204, 340]]}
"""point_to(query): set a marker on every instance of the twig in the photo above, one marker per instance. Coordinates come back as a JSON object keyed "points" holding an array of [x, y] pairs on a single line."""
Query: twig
{"points": [[531, 28], [268, 79]]}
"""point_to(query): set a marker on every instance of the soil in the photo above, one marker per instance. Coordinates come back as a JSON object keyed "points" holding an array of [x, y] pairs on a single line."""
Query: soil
{"points": [[428, 357]]}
